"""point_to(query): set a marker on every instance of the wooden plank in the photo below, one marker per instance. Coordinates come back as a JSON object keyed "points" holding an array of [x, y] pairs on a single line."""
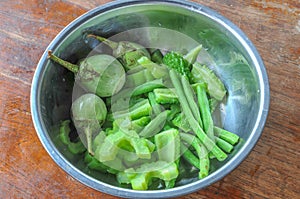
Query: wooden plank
{"points": [[270, 171]]}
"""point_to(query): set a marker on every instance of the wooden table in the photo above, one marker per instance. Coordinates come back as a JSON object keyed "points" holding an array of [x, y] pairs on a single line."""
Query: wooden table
{"points": [[270, 171]]}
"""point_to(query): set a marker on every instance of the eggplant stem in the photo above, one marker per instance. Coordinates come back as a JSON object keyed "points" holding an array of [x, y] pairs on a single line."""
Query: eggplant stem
{"points": [[112, 44], [71, 67], [88, 134]]}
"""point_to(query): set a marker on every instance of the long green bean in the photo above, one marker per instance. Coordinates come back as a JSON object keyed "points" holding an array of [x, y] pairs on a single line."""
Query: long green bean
{"points": [[226, 135], [225, 146], [193, 123], [204, 162], [209, 144], [201, 152], [189, 93], [189, 156], [155, 125], [155, 106], [207, 120]]}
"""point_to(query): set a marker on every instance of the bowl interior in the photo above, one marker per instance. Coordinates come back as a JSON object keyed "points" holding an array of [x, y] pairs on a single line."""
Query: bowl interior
{"points": [[239, 113]]}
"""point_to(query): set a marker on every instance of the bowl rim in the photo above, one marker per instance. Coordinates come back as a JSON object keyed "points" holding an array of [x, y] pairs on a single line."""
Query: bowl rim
{"points": [[177, 191]]}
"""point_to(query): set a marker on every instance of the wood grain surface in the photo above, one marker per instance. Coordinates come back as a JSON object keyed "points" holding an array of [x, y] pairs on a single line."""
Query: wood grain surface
{"points": [[270, 171]]}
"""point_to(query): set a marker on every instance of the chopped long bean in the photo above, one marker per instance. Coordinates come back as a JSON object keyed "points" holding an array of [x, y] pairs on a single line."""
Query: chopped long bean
{"points": [[205, 112], [165, 96], [226, 135], [201, 152], [188, 91], [147, 87], [155, 125], [209, 144], [189, 156], [155, 106], [225, 146], [204, 163]]}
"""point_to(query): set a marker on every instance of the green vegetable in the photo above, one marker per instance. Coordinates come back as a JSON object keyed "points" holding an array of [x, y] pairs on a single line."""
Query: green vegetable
{"points": [[127, 52], [168, 145], [165, 96], [190, 96], [155, 106], [224, 145], [88, 114], [112, 167], [169, 96], [213, 104], [192, 55], [157, 56], [122, 141], [161, 112], [201, 152], [177, 62], [209, 144], [225, 141], [99, 74], [174, 110], [189, 156], [75, 147], [204, 162], [205, 111], [147, 87], [141, 177], [139, 124], [226, 135], [201, 73], [94, 164], [138, 78], [140, 109], [181, 122], [158, 71], [155, 125], [98, 140]]}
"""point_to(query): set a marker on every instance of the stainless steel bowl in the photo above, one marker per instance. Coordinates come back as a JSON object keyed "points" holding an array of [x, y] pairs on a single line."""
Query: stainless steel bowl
{"points": [[244, 112]]}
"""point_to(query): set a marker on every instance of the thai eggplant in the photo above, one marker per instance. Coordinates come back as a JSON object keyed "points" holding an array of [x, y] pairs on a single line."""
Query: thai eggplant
{"points": [[88, 114], [100, 74]]}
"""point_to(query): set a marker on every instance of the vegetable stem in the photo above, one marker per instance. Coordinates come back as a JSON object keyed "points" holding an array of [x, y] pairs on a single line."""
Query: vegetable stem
{"points": [[88, 134], [112, 44], [71, 67]]}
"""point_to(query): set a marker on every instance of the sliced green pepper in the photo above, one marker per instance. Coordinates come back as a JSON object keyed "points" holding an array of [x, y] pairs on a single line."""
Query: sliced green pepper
{"points": [[168, 145], [121, 141], [64, 132], [141, 177]]}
